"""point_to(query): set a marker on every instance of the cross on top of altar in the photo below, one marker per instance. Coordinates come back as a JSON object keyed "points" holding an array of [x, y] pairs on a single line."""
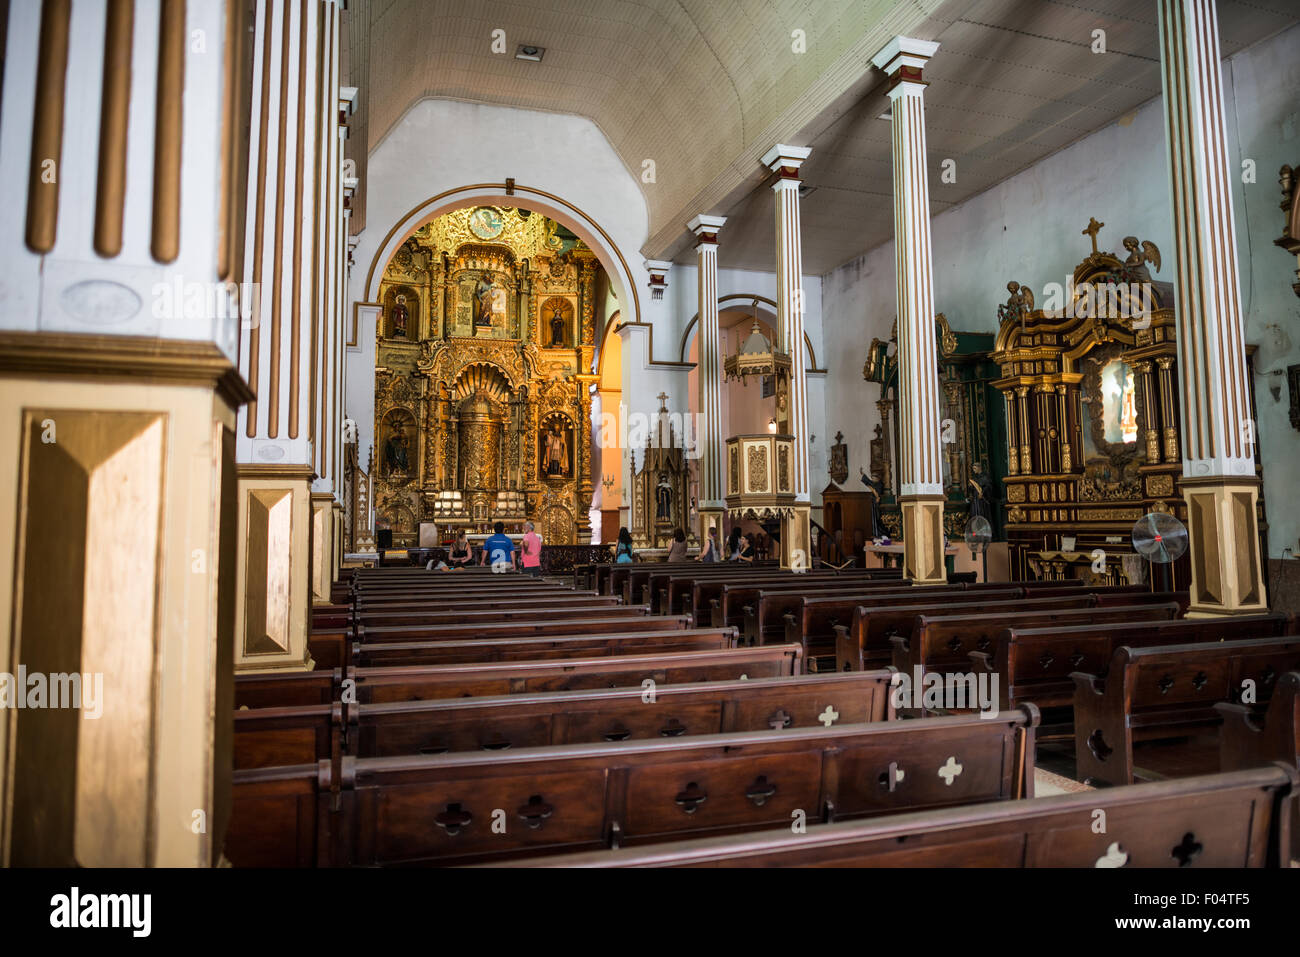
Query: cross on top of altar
{"points": [[1091, 230]]}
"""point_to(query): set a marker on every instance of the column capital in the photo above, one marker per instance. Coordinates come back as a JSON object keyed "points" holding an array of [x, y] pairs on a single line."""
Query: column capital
{"points": [[706, 228], [902, 58], [658, 270], [786, 160]]}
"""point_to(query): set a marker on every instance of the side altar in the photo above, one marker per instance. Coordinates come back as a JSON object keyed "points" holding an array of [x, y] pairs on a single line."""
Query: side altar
{"points": [[482, 404]]}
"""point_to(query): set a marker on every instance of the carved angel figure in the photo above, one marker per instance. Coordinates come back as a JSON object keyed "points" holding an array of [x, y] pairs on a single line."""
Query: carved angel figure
{"points": [[1148, 253], [1019, 304]]}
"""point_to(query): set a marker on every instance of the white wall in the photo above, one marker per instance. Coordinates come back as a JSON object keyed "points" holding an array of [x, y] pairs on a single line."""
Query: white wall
{"points": [[1028, 229]]}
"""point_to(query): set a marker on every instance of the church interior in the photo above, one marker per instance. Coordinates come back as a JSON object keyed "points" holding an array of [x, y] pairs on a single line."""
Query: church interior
{"points": [[603, 434]]}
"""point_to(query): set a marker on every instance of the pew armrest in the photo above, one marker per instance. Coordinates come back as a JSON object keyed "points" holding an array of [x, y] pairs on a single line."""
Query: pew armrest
{"points": [[1085, 682]]}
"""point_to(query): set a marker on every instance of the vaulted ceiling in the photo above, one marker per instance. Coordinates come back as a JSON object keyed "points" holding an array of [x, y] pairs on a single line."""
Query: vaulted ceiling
{"points": [[704, 87]]}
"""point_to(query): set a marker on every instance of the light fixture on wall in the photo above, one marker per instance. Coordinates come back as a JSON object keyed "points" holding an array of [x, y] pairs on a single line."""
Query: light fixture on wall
{"points": [[771, 426]]}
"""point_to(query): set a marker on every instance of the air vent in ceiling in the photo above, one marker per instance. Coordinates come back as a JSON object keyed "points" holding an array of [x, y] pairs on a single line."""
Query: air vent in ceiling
{"points": [[526, 51]]}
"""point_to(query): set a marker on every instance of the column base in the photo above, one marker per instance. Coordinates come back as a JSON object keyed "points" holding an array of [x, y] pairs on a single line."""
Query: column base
{"points": [[323, 532], [796, 539], [1223, 541], [118, 483], [923, 539], [274, 578]]}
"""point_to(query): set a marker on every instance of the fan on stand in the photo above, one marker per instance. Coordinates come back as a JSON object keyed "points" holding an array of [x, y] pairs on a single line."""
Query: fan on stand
{"points": [[1161, 539], [978, 534]]}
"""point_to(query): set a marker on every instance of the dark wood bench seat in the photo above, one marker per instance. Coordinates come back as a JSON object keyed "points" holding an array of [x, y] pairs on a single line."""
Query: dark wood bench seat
{"points": [[287, 688], [1170, 691], [539, 648], [373, 685], [1215, 821], [617, 714], [943, 643], [1246, 742], [299, 734], [441, 808], [447, 613], [1034, 664], [599, 623]]}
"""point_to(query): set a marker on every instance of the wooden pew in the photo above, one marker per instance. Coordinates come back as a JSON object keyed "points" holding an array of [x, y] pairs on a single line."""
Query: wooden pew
{"points": [[1246, 743], [868, 642], [544, 648], [599, 795], [280, 816], [677, 588], [943, 643], [518, 629], [1216, 821], [616, 714], [374, 685], [758, 608], [290, 688], [1167, 692], [302, 734], [442, 614], [1034, 664], [723, 601]]}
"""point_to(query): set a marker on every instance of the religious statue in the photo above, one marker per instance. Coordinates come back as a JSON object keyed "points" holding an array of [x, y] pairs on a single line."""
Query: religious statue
{"points": [[663, 499], [876, 488], [981, 494], [880, 466], [839, 460], [1019, 304], [400, 315], [1128, 423], [482, 302], [555, 452], [395, 452], [557, 327], [1135, 263]]}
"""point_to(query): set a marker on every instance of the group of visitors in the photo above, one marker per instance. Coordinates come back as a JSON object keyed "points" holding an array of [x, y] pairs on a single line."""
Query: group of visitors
{"points": [[741, 547], [498, 550]]}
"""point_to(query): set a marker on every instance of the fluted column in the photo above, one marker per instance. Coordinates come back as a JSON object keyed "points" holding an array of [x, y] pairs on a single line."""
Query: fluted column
{"points": [[1219, 480], [709, 372], [920, 470], [796, 547], [287, 443]]}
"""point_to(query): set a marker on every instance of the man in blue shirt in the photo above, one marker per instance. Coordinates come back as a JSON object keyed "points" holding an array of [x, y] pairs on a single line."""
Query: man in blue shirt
{"points": [[499, 550]]}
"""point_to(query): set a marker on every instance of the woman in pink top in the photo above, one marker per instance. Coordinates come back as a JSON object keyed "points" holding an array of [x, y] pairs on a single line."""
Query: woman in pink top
{"points": [[532, 550]]}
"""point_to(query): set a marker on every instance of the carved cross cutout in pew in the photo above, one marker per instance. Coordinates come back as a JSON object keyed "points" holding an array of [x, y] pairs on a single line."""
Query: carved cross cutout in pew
{"points": [[950, 770], [828, 716], [760, 790], [892, 777], [691, 798], [1188, 850], [453, 819], [1114, 857], [779, 720], [535, 811]]}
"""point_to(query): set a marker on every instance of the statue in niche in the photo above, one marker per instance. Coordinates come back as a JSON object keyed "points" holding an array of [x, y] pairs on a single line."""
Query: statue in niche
{"points": [[400, 317], [663, 499], [555, 452], [557, 327], [396, 457], [482, 302]]}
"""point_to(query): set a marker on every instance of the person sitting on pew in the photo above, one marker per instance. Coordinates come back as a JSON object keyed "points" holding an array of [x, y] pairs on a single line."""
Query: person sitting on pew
{"points": [[746, 552], [677, 550], [709, 553], [460, 553], [499, 548], [623, 550]]}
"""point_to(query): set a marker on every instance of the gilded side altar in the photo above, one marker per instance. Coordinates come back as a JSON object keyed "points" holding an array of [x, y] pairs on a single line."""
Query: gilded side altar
{"points": [[482, 404]]}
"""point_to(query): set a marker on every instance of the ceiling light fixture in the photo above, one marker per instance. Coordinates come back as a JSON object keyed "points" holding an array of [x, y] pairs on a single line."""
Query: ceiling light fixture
{"points": [[526, 51]]}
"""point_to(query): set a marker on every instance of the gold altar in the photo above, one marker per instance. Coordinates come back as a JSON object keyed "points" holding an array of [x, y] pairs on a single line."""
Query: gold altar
{"points": [[482, 401]]}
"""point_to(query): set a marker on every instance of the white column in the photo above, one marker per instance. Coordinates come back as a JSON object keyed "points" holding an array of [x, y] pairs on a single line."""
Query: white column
{"points": [[1219, 479], [920, 472], [709, 370]]}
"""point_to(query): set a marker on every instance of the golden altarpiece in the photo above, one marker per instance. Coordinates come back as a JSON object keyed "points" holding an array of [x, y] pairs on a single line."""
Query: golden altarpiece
{"points": [[1092, 418], [482, 405], [660, 486]]}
